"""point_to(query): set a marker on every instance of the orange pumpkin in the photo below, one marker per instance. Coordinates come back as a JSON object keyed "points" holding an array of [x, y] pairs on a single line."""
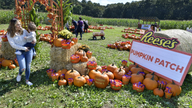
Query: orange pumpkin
{"points": [[101, 80], [62, 82], [64, 71], [7, 62], [75, 40], [80, 53], [93, 73], [109, 74], [112, 67], [132, 65], [12, 66], [162, 79], [91, 65], [136, 77], [79, 81], [99, 68], [58, 42], [71, 74], [158, 91], [150, 75], [175, 89], [118, 73], [150, 83], [84, 58], [86, 78], [136, 69]]}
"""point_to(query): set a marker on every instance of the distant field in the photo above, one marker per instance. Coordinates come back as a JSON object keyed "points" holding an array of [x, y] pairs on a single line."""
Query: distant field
{"points": [[6, 15]]}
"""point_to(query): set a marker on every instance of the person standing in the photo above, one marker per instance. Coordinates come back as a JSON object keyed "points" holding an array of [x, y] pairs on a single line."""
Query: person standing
{"points": [[85, 26], [15, 36], [75, 25], [80, 26]]}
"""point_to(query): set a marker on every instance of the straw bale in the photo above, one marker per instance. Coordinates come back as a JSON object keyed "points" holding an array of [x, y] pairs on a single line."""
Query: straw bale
{"points": [[81, 67], [183, 36], [60, 58], [7, 51]]}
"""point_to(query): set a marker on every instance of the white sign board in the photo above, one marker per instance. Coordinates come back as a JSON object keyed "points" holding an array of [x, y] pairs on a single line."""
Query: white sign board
{"points": [[170, 64], [146, 26]]}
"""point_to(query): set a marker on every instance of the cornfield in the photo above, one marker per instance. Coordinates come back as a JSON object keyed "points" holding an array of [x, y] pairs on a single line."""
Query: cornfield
{"points": [[6, 15]]}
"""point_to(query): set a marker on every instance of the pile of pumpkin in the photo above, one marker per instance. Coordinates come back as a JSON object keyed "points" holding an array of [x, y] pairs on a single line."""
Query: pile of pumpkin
{"points": [[43, 28], [45, 37], [135, 31], [2, 32], [8, 63], [97, 28], [109, 27], [100, 76], [133, 36], [121, 45], [82, 54]]}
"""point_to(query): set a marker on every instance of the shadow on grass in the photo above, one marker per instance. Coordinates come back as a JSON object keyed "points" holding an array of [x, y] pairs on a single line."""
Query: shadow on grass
{"points": [[37, 78]]}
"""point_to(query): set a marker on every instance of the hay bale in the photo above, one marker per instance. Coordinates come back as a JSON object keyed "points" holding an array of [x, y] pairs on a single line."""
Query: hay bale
{"points": [[81, 67], [7, 51], [60, 58], [184, 37]]}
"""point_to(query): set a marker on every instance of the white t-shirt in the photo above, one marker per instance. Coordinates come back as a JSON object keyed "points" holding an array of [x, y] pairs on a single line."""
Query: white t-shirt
{"points": [[18, 40], [31, 37]]}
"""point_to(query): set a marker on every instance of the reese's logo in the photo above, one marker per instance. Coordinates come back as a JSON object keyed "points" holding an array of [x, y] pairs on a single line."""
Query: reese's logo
{"points": [[159, 41]]}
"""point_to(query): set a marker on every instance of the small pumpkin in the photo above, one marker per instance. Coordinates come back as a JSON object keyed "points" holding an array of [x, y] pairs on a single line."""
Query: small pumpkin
{"points": [[75, 40], [16, 62], [158, 91], [12, 66], [57, 42], [79, 52], [101, 80], [93, 73], [99, 68], [84, 58], [109, 74], [79, 81], [50, 71], [64, 71], [118, 73], [136, 77], [176, 89], [162, 79], [150, 75], [124, 62], [71, 74], [86, 78], [136, 69], [62, 82], [75, 58], [150, 83], [112, 67], [132, 65], [7, 62], [116, 84]]}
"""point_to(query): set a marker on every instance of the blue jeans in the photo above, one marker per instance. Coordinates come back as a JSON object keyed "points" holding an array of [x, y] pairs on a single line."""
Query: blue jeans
{"points": [[24, 61]]}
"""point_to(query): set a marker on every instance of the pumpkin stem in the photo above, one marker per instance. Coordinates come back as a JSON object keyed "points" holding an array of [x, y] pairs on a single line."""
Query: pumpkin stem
{"points": [[153, 73], [112, 64], [123, 66], [137, 66], [160, 86], [97, 69], [138, 72], [119, 69], [71, 70], [152, 78], [134, 63], [173, 82]]}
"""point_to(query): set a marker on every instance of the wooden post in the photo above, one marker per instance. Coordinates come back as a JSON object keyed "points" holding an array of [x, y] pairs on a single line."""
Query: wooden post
{"points": [[61, 11]]}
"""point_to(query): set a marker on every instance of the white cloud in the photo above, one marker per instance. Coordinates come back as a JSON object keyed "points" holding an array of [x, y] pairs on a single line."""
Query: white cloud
{"points": [[105, 2]]}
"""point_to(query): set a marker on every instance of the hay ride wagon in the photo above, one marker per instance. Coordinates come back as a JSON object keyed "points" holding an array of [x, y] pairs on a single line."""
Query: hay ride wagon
{"points": [[101, 33]]}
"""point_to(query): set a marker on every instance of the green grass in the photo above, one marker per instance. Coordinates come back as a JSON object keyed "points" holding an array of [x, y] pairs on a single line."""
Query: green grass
{"points": [[45, 93]]}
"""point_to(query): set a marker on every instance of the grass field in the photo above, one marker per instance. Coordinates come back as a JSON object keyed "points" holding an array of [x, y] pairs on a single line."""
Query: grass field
{"points": [[44, 93]]}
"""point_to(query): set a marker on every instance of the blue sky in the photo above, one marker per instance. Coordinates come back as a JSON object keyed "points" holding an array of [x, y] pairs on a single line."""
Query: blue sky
{"points": [[105, 2]]}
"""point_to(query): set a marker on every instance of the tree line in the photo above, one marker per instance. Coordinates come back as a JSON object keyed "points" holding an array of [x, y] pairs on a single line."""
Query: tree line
{"points": [[162, 9]]}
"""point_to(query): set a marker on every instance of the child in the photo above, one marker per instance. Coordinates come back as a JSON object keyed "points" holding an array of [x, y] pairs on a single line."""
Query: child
{"points": [[30, 39]]}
